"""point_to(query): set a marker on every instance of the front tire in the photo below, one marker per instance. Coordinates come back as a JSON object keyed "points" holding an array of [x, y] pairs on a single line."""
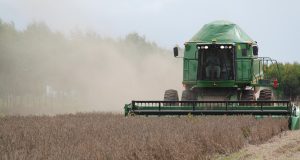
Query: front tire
{"points": [[170, 95], [187, 95], [247, 95]]}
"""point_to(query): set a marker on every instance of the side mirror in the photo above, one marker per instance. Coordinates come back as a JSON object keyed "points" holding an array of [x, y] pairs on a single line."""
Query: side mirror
{"points": [[255, 50], [175, 50]]}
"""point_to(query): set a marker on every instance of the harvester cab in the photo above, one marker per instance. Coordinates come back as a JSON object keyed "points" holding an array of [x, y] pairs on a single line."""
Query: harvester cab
{"points": [[222, 75]]}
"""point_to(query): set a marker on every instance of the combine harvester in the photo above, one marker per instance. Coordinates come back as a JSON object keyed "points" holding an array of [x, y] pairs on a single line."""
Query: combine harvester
{"points": [[222, 75]]}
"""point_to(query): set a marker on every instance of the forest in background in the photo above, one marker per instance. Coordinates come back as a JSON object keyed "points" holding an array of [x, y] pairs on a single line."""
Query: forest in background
{"points": [[45, 71], [38, 57], [288, 74], [80, 71]]}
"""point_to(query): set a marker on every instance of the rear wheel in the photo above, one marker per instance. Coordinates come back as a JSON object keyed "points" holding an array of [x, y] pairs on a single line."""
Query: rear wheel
{"points": [[170, 95], [248, 95], [265, 95]]}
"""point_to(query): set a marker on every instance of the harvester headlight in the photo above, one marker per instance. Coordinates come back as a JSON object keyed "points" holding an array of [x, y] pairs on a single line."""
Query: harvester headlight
{"points": [[226, 47], [206, 47], [229, 47], [222, 47]]}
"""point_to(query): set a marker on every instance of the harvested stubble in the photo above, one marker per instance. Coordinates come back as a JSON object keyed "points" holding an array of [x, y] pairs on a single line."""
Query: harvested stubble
{"points": [[110, 136]]}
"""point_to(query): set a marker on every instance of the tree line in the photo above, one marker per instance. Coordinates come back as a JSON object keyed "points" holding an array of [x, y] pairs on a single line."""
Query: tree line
{"points": [[37, 57], [288, 75]]}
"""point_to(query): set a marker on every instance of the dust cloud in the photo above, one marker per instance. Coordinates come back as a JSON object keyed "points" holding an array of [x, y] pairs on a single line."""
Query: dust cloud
{"points": [[127, 75], [46, 72]]}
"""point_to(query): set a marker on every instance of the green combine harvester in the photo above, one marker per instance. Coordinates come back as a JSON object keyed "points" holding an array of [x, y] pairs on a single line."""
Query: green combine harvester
{"points": [[222, 75]]}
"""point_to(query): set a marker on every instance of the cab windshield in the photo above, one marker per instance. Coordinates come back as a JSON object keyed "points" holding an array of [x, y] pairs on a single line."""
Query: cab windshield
{"points": [[215, 62]]}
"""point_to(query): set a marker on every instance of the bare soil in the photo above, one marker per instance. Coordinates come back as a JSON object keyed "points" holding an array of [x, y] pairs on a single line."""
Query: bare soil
{"points": [[285, 146]]}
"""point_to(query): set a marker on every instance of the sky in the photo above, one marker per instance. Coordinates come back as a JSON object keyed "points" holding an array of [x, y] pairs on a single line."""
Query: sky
{"points": [[273, 24]]}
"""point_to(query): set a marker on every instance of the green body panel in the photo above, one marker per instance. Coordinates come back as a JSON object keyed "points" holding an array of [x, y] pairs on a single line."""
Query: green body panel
{"points": [[244, 70], [190, 63], [295, 119], [216, 84], [295, 123]]}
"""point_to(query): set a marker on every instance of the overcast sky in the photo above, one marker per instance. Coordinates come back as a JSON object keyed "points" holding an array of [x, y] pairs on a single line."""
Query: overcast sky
{"points": [[274, 24]]}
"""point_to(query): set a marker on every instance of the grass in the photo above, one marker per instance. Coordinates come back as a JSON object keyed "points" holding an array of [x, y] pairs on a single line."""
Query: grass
{"points": [[110, 136]]}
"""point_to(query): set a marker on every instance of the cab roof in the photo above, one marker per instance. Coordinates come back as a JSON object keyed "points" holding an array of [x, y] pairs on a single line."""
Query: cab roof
{"points": [[221, 32]]}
